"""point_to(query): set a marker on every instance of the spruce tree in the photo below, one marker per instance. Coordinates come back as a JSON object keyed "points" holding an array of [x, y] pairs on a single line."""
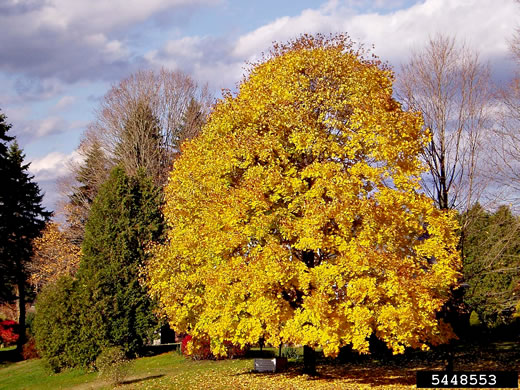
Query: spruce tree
{"points": [[89, 175], [124, 217], [6, 291], [140, 144], [22, 219], [491, 264]]}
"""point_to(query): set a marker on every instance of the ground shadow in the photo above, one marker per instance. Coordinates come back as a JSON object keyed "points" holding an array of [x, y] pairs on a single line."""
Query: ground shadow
{"points": [[386, 370], [330, 372], [153, 350], [137, 380], [9, 356]]}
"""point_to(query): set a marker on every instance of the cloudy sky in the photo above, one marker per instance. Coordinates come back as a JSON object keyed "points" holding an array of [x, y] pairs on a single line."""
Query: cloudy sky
{"points": [[59, 57]]}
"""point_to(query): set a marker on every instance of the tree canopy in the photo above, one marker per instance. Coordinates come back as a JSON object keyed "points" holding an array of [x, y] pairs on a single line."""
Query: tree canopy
{"points": [[296, 216]]}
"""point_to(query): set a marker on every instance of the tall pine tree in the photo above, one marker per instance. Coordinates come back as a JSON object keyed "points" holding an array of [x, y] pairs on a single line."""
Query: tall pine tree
{"points": [[105, 305], [22, 217], [6, 291]]}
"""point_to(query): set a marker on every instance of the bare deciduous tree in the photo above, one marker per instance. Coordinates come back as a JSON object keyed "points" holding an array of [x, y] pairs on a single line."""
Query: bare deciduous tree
{"points": [[507, 141], [140, 124], [450, 86], [143, 120]]}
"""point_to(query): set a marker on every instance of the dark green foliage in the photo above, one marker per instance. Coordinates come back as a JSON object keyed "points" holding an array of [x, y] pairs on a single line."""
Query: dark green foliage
{"points": [[4, 138], [95, 161], [60, 337], [106, 304], [112, 365], [491, 258], [124, 218], [6, 291], [22, 217]]}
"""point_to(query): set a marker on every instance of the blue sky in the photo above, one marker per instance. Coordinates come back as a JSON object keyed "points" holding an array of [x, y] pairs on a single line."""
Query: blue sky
{"points": [[59, 57]]}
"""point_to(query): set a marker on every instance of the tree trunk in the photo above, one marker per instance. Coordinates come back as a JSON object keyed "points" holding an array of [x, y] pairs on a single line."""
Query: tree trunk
{"points": [[309, 357], [21, 312], [309, 360]]}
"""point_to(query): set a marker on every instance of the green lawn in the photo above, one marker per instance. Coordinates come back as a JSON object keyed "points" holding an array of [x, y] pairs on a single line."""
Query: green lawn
{"points": [[31, 374], [172, 371], [162, 371]]}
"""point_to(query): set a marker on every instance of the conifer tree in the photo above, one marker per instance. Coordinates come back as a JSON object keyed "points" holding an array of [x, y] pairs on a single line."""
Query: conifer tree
{"points": [[492, 264], [110, 306], [22, 217], [6, 292], [124, 217]]}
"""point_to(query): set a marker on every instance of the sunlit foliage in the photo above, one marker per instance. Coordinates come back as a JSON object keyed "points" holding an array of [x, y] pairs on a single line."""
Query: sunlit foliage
{"points": [[54, 255], [295, 216]]}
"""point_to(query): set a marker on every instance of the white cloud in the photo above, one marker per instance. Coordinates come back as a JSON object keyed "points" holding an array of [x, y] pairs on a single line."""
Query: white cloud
{"points": [[50, 125], [484, 25], [187, 47], [49, 170], [206, 59], [102, 15], [53, 166]]}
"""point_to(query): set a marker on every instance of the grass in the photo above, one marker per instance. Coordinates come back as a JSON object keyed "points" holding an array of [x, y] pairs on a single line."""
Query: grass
{"points": [[172, 371], [31, 374]]}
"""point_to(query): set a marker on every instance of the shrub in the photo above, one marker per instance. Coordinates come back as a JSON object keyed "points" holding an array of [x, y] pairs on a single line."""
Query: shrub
{"points": [[65, 336], [112, 365], [235, 351], [201, 350], [9, 332], [29, 350], [474, 319]]}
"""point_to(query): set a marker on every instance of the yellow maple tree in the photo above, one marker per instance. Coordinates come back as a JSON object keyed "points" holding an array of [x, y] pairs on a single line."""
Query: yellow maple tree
{"points": [[296, 215]]}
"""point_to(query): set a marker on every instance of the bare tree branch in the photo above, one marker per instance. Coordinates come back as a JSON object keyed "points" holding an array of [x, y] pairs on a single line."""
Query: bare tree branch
{"points": [[148, 114], [449, 85]]}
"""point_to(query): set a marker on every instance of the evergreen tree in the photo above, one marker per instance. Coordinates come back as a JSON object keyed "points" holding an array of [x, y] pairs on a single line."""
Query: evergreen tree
{"points": [[140, 144], [22, 219], [492, 264], [124, 217], [192, 122], [89, 176], [6, 291], [59, 338]]}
